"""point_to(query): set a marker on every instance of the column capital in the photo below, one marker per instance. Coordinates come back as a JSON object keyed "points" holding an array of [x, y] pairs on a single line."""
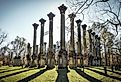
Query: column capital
{"points": [[93, 33], [54, 45], [78, 21], [35, 25], [45, 43], [84, 26], [72, 15], [90, 30], [51, 15], [96, 36], [62, 8], [42, 21]]}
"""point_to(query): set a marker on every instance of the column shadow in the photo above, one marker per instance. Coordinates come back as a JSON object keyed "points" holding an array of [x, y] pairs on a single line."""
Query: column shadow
{"points": [[101, 73], [62, 75], [14, 73], [108, 70], [10, 70], [86, 76], [32, 76]]}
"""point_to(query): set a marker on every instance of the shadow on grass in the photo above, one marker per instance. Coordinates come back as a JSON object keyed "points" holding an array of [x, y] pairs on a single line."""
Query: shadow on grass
{"points": [[108, 70], [62, 75], [14, 73], [113, 77], [32, 76], [86, 76], [10, 70]]}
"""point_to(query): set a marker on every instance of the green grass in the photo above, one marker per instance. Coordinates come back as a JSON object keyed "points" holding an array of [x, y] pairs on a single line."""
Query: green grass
{"points": [[5, 68], [10, 72], [101, 77], [48, 76], [20, 76], [51, 75], [75, 77]]}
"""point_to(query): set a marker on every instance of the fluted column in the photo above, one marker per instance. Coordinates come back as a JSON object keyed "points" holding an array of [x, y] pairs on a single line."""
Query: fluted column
{"points": [[34, 44], [72, 62], [79, 55], [62, 63], [50, 51]]}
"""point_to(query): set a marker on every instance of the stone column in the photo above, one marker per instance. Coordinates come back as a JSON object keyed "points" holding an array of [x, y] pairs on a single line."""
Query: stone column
{"points": [[41, 61], [85, 58], [45, 43], [54, 46], [51, 57], [96, 50], [34, 45], [99, 51], [62, 63], [79, 55], [36, 49], [90, 48], [93, 47], [72, 60]]}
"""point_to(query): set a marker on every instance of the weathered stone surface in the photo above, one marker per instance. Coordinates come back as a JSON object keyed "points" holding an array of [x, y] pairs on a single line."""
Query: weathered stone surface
{"points": [[33, 57], [50, 55], [62, 53], [72, 54], [41, 55]]}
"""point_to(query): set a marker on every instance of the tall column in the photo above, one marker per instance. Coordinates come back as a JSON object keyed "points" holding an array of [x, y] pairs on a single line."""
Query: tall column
{"points": [[40, 60], [93, 47], [85, 61], [90, 48], [62, 63], [72, 62], [34, 45], [51, 56], [79, 55]]}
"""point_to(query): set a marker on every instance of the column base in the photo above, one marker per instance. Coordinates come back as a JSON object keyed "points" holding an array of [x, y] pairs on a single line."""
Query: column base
{"points": [[62, 59], [50, 67]]}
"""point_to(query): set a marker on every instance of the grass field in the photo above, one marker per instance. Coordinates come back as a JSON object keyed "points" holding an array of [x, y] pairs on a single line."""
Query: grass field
{"points": [[90, 74]]}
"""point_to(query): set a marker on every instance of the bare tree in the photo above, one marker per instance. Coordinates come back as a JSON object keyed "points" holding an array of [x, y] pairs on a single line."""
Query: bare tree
{"points": [[106, 11], [3, 36], [18, 45]]}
